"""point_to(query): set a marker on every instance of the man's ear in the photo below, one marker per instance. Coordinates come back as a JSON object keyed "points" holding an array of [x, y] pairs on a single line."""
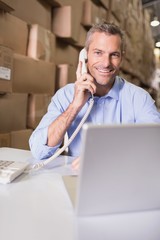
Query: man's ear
{"points": [[123, 53]]}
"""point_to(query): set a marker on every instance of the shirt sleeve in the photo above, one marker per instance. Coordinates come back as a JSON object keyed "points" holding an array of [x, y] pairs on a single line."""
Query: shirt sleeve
{"points": [[38, 139], [145, 108], [38, 144]]}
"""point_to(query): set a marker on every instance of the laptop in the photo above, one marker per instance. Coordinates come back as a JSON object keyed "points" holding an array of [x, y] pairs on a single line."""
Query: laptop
{"points": [[119, 170]]}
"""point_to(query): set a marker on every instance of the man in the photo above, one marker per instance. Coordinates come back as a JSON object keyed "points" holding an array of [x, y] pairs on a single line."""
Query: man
{"points": [[115, 100]]}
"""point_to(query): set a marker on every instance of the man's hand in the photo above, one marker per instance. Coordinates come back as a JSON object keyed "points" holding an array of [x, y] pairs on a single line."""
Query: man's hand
{"points": [[76, 164], [83, 87]]}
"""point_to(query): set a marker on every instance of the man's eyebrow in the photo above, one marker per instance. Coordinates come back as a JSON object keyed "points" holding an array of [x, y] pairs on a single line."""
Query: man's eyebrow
{"points": [[116, 52], [97, 49]]}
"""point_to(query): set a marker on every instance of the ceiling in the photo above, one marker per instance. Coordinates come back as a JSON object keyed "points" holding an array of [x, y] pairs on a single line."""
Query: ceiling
{"points": [[154, 8]]}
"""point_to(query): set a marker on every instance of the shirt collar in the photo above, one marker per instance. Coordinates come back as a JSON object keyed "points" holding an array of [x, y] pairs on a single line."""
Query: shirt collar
{"points": [[115, 90]]}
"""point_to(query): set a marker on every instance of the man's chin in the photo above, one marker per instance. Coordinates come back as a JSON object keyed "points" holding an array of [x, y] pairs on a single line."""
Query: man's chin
{"points": [[103, 81]]}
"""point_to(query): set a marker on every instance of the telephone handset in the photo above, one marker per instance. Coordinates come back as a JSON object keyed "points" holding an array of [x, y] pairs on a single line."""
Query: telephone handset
{"points": [[37, 166], [83, 59]]}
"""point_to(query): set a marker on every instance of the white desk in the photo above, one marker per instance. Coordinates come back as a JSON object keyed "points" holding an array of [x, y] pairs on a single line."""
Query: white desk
{"points": [[37, 207]]}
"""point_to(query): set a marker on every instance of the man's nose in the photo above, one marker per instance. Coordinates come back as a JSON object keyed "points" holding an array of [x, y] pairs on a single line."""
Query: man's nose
{"points": [[106, 60]]}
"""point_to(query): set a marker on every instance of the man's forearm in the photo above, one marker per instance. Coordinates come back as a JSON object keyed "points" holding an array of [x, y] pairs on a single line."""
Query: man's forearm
{"points": [[58, 128]]}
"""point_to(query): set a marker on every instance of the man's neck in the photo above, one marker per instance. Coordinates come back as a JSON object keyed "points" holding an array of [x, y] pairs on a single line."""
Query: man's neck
{"points": [[103, 90]]}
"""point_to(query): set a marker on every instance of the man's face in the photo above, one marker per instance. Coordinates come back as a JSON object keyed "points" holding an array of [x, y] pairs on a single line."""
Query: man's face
{"points": [[104, 57]]}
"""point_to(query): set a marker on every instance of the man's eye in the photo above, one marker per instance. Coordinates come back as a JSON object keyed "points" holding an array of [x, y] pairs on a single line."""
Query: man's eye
{"points": [[115, 55], [97, 53]]}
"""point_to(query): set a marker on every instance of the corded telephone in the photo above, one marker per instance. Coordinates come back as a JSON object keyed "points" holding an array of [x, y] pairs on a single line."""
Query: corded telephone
{"points": [[83, 59]]}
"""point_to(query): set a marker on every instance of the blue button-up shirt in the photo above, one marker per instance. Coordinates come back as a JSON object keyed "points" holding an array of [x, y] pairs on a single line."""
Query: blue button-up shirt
{"points": [[124, 103]]}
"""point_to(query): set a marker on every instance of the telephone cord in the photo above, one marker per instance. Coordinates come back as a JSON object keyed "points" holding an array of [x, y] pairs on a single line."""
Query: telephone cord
{"points": [[41, 164]]}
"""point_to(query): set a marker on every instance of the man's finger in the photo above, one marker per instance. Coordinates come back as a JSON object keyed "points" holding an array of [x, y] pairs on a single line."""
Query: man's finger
{"points": [[76, 163], [79, 70]]}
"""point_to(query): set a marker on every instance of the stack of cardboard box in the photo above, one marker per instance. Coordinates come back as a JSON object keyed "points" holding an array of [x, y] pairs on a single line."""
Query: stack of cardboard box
{"points": [[22, 74]]}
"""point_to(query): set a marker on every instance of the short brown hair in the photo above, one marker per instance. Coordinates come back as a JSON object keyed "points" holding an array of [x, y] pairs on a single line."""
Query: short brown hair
{"points": [[108, 28]]}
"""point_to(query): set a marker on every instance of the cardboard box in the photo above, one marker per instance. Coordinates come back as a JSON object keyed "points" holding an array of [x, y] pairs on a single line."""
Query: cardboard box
{"points": [[58, 3], [66, 53], [66, 21], [32, 11], [65, 74], [126, 66], [32, 76], [37, 107], [6, 68], [90, 14], [13, 109], [5, 7], [129, 50], [130, 26], [82, 37], [119, 9], [105, 3], [137, 5], [13, 33], [16, 139], [103, 14], [20, 139], [29, 76], [125, 76], [113, 19], [41, 43], [4, 140]]}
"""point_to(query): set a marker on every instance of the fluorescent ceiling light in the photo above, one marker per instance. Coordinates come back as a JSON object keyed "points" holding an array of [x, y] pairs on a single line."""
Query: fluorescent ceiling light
{"points": [[155, 22], [158, 44]]}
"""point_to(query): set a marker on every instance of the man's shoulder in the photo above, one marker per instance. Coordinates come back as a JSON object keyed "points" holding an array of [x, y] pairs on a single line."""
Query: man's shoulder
{"points": [[132, 87], [69, 88]]}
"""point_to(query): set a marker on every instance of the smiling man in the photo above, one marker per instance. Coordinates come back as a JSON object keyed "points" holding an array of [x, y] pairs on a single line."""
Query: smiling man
{"points": [[116, 101]]}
